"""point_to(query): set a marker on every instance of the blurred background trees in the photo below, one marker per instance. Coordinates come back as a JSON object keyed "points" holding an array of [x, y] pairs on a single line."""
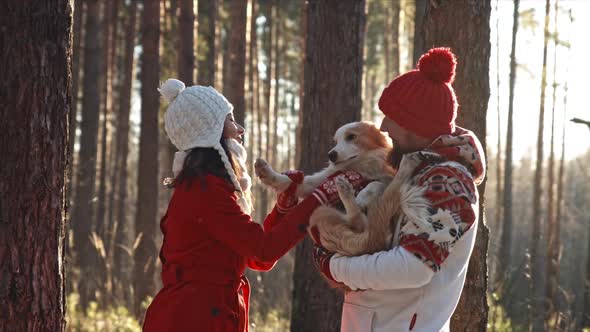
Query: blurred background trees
{"points": [[295, 71]]}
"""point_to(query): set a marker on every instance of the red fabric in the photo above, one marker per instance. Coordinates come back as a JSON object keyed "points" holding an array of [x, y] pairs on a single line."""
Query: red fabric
{"points": [[423, 101], [208, 243]]}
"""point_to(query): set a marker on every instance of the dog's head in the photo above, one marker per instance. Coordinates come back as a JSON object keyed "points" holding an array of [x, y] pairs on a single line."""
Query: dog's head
{"points": [[355, 139]]}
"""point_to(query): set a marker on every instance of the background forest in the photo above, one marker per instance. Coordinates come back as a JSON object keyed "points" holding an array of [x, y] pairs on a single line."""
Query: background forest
{"points": [[295, 71]]}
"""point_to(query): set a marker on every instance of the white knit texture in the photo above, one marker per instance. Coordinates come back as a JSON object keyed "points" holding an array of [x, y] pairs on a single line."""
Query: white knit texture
{"points": [[195, 118]]}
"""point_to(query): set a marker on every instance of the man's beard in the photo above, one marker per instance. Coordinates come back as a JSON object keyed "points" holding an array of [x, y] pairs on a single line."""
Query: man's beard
{"points": [[395, 157]]}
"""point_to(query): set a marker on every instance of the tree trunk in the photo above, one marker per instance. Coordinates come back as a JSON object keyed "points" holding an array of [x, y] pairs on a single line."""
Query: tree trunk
{"points": [[552, 284], [277, 71], [419, 46], [34, 143], [537, 295], [395, 14], [186, 54], [267, 81], [122, 257], [506, 242], [206, 30], [76, 61], [85, 206], [237, 58], [147, 179], [464, 26], [332, 75]]}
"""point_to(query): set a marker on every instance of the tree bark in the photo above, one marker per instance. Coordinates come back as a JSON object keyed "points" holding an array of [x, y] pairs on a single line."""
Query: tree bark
{"points": [[552, 283], [76, 61], [147, 179], [34, 116], [537, 295], [207, 11], [186, 54], [464, 26], [395, 14], [122, 256], [237, 58], [332, 74], [506, 240], [85, 207], [419, 46]]}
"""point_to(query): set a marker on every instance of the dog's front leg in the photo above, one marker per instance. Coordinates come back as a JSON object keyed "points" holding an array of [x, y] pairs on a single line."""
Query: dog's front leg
{"points": [[268, 176]]}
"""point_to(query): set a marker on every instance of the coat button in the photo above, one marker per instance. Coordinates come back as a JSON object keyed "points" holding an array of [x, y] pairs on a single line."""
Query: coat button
{"points": [[215, 312], [302, 228], [199, 220]]}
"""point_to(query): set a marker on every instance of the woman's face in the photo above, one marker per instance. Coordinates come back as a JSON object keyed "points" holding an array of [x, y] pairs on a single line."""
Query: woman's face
{"points": [[231, 129]]}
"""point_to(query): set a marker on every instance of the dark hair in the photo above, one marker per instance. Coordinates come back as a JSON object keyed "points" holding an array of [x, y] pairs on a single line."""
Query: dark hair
{"points": [[201, 162]]}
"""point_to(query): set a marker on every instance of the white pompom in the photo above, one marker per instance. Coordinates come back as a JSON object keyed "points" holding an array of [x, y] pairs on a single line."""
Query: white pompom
{"points": [[170, 89]]}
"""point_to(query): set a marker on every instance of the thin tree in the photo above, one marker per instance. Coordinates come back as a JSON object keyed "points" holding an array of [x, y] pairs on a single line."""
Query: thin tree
{"points": [[76, 62], [122, 254], [147, 179], [84, 207], [464, 26], [186, 53], [551, 267], [34, 117], [506, 240], [537, 235], [237, 58], [207, 11], [332, 75]]}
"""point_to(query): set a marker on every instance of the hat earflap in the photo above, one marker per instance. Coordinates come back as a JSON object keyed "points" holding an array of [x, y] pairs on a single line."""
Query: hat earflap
{"points": [[242, 202]]}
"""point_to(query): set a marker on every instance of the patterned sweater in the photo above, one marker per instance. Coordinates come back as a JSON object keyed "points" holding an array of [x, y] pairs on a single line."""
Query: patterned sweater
{"points": [[416, 285]]}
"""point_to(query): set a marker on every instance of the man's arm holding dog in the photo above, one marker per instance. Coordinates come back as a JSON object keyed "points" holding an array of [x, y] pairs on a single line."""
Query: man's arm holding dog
{"points": [[420, 253]]}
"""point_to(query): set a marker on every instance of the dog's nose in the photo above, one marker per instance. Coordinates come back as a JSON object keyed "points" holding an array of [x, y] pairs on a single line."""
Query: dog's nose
{"points": [[333, 156]]}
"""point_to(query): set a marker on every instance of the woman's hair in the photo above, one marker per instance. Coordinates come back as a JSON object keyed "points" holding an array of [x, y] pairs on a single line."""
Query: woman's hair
{"points": [[201, 162]]}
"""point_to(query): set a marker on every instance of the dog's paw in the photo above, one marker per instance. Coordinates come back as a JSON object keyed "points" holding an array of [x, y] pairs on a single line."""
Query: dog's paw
{"points": [[408, 164], [345, 189], [264, 172]]}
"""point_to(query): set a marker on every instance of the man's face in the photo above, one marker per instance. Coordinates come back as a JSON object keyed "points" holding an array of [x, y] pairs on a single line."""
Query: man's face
{"points": [[401, 138]]}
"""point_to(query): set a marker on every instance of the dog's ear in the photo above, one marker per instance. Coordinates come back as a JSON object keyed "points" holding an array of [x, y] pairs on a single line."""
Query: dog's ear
{"points": [[382, 139]]}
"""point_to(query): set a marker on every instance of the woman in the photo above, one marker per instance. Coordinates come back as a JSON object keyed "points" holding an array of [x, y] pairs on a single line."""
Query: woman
{"points": [[209, 238]]}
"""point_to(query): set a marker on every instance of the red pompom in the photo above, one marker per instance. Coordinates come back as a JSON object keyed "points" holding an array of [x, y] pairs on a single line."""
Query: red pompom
{"points": [[438, 65]]}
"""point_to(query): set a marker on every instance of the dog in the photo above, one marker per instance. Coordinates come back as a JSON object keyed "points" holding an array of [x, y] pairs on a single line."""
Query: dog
{"points": [[360, 146], [353, 232]]}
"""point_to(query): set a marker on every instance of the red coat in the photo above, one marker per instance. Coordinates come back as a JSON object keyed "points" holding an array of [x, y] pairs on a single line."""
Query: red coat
{"points": [[208, 243]]}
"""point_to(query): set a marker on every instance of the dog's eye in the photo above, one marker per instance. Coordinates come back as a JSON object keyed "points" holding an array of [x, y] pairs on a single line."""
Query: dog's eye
{"points": [[350, 137]]}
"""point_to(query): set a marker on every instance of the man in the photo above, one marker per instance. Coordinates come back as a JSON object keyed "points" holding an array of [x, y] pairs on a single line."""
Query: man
{"points": [[416, 285]]}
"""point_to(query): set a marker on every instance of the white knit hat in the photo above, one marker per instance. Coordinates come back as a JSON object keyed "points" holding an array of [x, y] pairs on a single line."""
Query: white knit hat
{"points": [[195, 118]]}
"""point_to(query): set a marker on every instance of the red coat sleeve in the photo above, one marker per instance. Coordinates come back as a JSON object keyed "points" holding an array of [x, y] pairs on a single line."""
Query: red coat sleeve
{"points": [[221, 217], [271, 220]]}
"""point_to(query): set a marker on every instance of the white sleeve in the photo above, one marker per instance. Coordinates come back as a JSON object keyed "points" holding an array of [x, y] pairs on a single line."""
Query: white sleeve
{"points": [[393, 269]]}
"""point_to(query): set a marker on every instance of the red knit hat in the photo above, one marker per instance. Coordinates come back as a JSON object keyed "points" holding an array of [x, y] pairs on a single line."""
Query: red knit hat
{"points": [[422, 100]]}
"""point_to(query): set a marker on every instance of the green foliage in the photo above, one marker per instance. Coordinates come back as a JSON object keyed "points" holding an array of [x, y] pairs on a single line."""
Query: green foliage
{"points": [[497, 318], [110, 319]]}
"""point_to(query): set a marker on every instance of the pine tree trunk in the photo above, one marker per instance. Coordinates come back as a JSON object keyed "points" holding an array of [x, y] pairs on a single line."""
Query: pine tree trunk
{"points": [[537, 295], [277, 71], [419, 46], [506, 242], [122, 258], [84, 209], [464, 26], [34, 143], [237, 58], [332, 75], [395, 14], [76, 61], [186, 57], [267, 81], [207, 11], [552, 285], [147, 179]]}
